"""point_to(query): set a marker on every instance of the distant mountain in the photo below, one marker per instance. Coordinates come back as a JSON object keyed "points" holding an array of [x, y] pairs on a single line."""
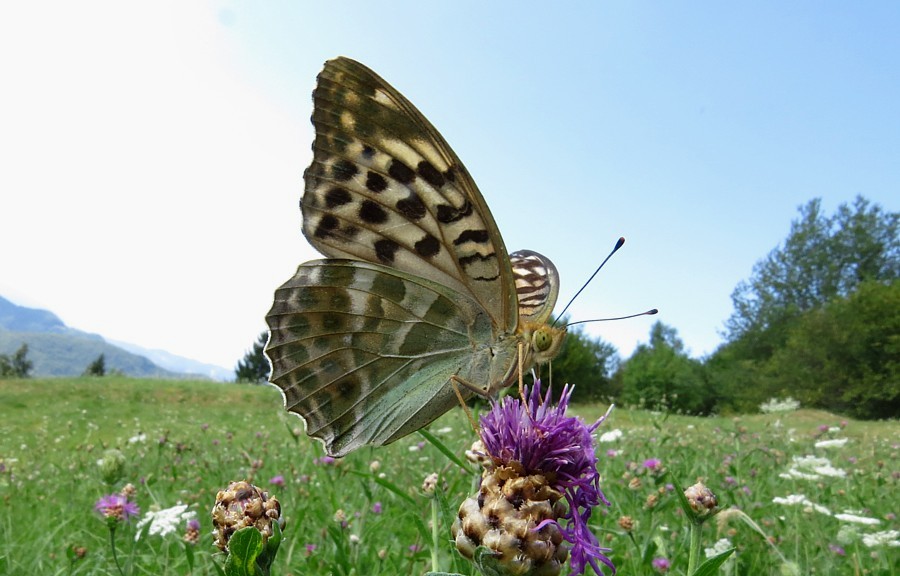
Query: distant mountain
{"points": [[20, 319], [58, 350], [177, 363]]}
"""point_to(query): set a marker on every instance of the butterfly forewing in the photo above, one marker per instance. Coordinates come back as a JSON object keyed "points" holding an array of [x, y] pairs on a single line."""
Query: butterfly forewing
{"points": [[418, 293], [385, 187]]}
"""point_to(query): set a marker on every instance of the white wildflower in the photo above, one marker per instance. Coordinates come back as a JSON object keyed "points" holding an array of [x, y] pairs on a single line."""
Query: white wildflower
{"points": [[444, 430], [164, 522], [721, 546], [889, 538], [834, 429], [833, 443], [138, 438], [849, 516], [800, 499], [776, 405], [794, 474], [610, 436], [812, 468]]}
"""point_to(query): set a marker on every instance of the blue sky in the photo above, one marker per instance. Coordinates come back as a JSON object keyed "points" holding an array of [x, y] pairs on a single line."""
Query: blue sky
{"points": [[153, 155]]}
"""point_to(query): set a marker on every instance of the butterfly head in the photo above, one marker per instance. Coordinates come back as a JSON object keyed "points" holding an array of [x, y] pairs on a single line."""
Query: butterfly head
{"points": [[543, 342]]}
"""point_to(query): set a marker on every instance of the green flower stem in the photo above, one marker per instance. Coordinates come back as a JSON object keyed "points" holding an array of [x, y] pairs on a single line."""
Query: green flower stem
{"points": [[435, 534], [112, 544], [694, 558]]}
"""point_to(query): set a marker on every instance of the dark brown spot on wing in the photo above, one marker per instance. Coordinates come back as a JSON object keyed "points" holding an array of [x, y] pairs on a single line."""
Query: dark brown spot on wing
{"points": [[430, 174], [372, 213], [336, 197], [375, 182], [447, 214], [412, 207], [428, 246], [401, 172], [327, 225], [386, 250], [343, 170], [479, 236]]}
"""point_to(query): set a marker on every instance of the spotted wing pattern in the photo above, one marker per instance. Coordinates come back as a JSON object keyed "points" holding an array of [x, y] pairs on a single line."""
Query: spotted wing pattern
{"points": [[417, 288], [385, 187]]}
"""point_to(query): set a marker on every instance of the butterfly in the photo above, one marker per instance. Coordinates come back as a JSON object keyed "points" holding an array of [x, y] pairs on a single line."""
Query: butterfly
{"points": [[417, 294]]}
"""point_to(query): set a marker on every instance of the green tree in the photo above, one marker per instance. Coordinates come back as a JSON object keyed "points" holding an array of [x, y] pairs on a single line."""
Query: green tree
{"points": [[97, 367], [845, 355], [586, 362], [823, 257], [661, 376], [783, 316], [254, 367], [16, 366]]}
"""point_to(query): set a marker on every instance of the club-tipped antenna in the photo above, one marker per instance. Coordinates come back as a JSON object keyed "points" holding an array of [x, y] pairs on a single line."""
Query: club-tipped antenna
{"points": [[619, 243], [650, 312]]}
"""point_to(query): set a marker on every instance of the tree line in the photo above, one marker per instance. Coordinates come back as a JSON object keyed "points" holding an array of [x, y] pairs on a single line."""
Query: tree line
{"points": [[817, 320]]}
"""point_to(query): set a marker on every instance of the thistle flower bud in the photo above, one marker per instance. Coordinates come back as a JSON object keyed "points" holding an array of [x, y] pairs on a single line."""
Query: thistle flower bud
{"points": [[514, 515], [477, 454], [241, 505], [701, 499], [430, 483], [112, 466], [626, 523]]}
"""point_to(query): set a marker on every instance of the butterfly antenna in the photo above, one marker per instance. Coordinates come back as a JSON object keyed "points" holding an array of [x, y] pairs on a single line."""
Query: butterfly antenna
{"points": [[619, 244], [650, 312]]}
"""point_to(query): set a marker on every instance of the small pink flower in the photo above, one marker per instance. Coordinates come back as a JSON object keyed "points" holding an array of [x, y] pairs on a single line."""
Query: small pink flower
{"points": [[661, 565], [277, 480], [376, 508], [653, 464], [116, 506]]}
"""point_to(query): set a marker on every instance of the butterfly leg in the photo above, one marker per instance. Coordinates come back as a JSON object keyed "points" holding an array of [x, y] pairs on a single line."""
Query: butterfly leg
{"points": [[462, 402], [521, 357]]}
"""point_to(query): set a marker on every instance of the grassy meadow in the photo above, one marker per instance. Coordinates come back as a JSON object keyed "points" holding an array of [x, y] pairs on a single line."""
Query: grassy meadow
{"points": [[806, 509]]}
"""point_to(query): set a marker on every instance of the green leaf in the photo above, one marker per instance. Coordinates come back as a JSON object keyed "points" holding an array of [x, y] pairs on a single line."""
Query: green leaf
{"points": [[189, 555], [711, 566], [244, 547], [444, 450]]}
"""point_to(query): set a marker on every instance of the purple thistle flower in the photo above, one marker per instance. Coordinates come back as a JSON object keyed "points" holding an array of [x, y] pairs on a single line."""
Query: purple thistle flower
{"points": [[661, 564], [277, 480], [543, 440], [376, 508], [116, 506], [652, 464]]}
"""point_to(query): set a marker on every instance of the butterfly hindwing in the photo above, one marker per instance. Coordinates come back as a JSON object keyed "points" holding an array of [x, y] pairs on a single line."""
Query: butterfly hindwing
{"points": [[345, 333]]}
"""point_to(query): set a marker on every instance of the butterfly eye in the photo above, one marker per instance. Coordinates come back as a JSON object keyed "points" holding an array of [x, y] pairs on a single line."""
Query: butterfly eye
{"points": [[542, 340]]}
